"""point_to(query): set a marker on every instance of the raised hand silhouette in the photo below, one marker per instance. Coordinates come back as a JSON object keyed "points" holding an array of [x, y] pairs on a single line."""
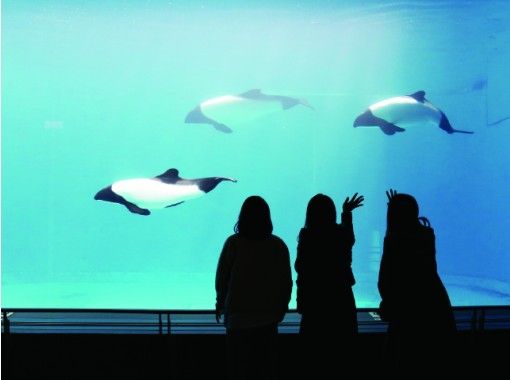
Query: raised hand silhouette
{"points": [[354, 202], [390, 194]]}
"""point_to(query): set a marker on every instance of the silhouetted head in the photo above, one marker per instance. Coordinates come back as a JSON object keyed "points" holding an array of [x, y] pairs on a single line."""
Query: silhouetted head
{"points": [[254, 219], [320, 212], [403, 213]]}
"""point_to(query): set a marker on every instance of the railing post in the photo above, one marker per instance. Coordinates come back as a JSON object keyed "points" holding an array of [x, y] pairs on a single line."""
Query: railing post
{"points": [[481, 321], [168, 323], [160, 324], [7, 323], [474, 318]]}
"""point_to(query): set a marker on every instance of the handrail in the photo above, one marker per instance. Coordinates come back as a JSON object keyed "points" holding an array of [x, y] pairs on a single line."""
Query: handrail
{"points": [[194, 311], [476, 318]]}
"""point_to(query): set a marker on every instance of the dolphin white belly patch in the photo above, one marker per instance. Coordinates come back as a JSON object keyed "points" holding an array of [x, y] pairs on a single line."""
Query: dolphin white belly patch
{"points": [[234, 110], [154, 194]]}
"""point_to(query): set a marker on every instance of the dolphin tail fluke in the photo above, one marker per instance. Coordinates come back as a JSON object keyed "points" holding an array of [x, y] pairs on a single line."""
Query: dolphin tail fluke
{"points": [[305, 103], [445, 125], [208, 184], [291, 102], [461, 131], [390, 129]]}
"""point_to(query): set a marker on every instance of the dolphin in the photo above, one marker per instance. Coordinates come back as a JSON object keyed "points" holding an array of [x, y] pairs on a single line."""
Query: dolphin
{"points": [[229, 109], [140, 195], [408, 109]]}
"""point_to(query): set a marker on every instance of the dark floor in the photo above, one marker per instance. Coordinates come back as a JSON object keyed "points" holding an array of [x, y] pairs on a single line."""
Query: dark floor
{"points": [[77, 356], [71, 346]]}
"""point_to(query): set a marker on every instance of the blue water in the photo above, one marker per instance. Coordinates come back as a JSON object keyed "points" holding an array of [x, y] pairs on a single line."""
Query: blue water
{"points": [[95, 92]]}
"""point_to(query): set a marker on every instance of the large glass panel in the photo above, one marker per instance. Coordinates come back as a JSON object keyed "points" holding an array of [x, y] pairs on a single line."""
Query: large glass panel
{"points": [[97, 92]]}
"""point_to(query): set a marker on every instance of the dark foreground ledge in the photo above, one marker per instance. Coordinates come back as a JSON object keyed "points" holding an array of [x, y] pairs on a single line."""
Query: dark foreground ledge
{"points": [[180, 344]]}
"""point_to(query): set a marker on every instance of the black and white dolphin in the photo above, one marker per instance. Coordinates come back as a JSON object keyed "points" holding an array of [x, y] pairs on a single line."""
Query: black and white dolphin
{"points": [[408, 109], [140, 195], [233, 109]]}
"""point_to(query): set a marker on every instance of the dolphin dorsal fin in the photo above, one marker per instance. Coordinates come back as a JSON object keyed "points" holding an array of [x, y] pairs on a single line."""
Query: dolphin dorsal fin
{"points": [[170, 176], [252, 94], [419, 96]]}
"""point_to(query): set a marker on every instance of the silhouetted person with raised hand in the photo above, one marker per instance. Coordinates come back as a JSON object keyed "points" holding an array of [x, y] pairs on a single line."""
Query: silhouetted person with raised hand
{"points": [[421, 325], [325, 298], [253, 290]]}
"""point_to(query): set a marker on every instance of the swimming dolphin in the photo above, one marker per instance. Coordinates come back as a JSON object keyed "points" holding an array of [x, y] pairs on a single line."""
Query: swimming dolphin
{"points": [[165, 190], [412, 108], [238, 108]]}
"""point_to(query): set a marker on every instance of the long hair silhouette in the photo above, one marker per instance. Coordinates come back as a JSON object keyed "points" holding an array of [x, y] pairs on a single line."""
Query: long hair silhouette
{"points": [[254, 220], [403, 214], [320, 212]]}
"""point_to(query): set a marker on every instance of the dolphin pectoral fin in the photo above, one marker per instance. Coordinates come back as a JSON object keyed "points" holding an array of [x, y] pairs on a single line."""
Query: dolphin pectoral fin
{"points": [[222, 128], [390, 129], [135, 209], [289, 103], [175, 204], [197, 116]]}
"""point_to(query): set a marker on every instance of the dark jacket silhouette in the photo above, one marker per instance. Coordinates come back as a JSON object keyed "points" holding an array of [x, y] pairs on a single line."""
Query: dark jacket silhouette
{"points": [[253, 289], [325, 298], [414, 300], [324, 274]]}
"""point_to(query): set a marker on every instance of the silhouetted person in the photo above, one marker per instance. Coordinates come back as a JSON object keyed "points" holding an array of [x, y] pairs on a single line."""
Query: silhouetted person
{"points": [[253, 290], [421, 325], [324, 287]]}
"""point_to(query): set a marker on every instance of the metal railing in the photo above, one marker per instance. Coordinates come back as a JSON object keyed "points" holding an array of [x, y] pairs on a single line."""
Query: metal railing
{"points": [[26, 320]]}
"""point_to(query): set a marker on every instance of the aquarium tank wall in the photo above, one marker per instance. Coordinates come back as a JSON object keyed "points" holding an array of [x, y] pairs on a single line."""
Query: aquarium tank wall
{"points": [[109, 95]]}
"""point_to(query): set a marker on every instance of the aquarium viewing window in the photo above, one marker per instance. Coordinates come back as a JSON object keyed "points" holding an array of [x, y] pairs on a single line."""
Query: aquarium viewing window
{"points": [[230, 99]]}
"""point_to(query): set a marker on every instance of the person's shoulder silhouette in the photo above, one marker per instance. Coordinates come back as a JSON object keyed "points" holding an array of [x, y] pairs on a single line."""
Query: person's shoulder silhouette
{"points": [[414, 301], [324, 284], [253, 289]]}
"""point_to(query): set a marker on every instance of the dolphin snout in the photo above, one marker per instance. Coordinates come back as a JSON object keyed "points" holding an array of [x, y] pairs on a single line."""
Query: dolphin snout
{"points": [[366, 118], [189, 118], [358, 121], [105, 194], [195, 116]]}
